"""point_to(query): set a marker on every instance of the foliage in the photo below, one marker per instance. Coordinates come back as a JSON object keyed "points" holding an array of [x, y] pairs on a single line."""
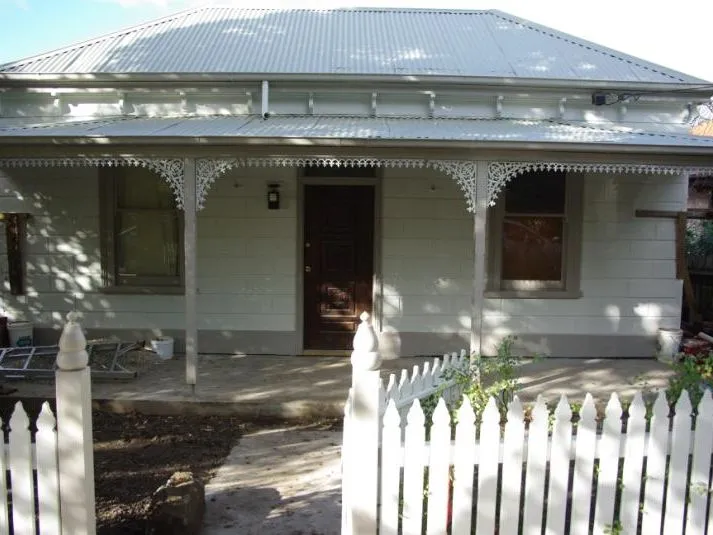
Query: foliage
{"points": [[699, 238], [699, 241], [486, 377], [694, 374]]}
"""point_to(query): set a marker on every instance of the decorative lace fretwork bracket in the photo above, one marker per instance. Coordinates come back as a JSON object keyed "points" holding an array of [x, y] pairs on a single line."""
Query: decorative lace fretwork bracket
{"points": [[500, 173], [170, 169], [464, 173], [207, 171]]}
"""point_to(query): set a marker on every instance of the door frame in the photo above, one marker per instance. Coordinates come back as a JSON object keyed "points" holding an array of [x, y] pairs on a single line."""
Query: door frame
{"points": [[377, 280]]}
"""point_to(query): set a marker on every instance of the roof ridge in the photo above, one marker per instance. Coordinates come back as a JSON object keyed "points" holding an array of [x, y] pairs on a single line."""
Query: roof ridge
{"points": [[103, 37], [595, 47]]}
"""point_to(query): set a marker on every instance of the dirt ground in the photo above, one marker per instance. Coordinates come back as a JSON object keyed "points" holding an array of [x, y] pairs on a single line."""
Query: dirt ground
{"points": [[134, 454]]}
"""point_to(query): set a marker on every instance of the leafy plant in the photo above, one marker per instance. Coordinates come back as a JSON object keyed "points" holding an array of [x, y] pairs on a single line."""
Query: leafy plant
{"points": [[486, 377], [614, 529], [694, 374], [699, 242]]}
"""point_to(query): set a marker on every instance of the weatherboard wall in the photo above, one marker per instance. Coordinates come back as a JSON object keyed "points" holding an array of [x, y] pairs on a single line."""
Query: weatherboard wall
{"points": [[249, 291]]}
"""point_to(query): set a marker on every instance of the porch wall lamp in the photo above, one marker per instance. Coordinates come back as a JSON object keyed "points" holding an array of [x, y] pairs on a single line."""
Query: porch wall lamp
{"points": [[273, 196]]}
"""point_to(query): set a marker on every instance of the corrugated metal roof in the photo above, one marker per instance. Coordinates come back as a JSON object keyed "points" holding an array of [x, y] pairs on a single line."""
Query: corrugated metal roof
{"points": [[347, 41], [354, 128]]}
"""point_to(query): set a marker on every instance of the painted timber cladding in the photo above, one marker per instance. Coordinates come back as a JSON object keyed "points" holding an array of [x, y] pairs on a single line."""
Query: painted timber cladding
{"points": [[403, 42], [246, 258], [247, 263], [628, 274]]}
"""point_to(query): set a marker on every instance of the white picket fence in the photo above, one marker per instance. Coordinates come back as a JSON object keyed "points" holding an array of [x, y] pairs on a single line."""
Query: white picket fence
{"points": [[24, 461], [552, 472], [422, 382], [47, 486]]}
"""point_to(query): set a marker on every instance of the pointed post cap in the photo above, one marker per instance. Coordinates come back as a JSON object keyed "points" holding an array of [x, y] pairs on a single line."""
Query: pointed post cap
{"points": [[72, 354], [365, 356]]}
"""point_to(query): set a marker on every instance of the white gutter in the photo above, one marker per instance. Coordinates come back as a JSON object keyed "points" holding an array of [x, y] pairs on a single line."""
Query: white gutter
{"points": [[217, 141], [116, 80]]}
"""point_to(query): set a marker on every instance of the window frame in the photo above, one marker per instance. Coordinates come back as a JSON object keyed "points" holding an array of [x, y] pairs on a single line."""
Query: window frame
{"points": [[569, 286], [109, 193]]}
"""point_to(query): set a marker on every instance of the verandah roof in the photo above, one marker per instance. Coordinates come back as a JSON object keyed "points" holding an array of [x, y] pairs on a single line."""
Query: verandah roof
{"points": [[355, 128]]}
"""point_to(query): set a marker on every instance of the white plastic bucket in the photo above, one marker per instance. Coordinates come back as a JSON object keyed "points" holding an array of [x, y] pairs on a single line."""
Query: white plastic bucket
{"points": [[668, 343], [163, 347], [20, 333]]}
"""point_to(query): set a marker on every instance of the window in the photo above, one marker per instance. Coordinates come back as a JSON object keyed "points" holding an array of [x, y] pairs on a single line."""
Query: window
{"points": [[142, 237], [535, 235]]}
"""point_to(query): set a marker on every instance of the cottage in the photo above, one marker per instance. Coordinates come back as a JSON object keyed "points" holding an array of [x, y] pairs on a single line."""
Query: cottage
{"points": [[251, 180]]}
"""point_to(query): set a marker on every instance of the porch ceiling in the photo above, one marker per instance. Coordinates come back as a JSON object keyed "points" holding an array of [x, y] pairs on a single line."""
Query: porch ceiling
{"points": [[506, 131]]}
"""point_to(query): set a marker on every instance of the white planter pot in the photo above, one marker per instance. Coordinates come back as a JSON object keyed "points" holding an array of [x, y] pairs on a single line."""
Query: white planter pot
{"points": [[163, 347], [667, 344]]}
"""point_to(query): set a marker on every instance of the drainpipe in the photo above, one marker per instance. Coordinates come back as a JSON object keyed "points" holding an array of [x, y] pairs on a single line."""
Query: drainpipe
{"points": [[265, 99]]}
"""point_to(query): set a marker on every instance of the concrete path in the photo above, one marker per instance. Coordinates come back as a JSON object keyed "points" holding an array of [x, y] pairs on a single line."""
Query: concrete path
{"points": [[284, 480], [261, 387]]}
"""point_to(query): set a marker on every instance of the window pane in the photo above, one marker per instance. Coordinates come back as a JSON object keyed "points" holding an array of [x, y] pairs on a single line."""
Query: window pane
{"points": [[147, 244], [141, 188], [536, 193], [532, 248]]}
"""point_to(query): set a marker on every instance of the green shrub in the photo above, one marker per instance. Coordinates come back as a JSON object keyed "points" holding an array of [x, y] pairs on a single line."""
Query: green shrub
{"points": [[693, 373], [480, 379]]}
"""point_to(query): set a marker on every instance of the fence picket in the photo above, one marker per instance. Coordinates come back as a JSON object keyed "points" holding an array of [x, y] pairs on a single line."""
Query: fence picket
{"points": [[47, 472], [436, 370], [655, 467], [513, 445], [416, 380], [680, 450], [391, 387], [608, 468], [463, 464], [585, 446], [535, 475], [404, 385], [446, 362], [4, 520], [488, 452], [390, 470], [702, 446], [347, 443], [438, 470], [383, 399], [559, 468], [23, 495], [426, 377], [413, 471], [633, 464]]}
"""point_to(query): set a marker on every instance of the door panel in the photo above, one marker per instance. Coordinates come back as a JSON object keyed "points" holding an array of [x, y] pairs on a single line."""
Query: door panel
{"points": [[338, 263]]}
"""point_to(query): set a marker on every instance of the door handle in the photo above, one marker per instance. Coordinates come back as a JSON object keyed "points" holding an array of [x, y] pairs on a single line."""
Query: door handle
{"points": [[308, 269]]}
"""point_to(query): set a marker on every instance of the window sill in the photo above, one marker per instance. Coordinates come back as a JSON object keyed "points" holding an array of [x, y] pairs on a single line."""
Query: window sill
{"points": [[143, 290], [534, 294]]}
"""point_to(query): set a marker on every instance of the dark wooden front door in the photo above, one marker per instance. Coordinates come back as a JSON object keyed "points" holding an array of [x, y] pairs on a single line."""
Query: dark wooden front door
{"points": [[338, 263]]}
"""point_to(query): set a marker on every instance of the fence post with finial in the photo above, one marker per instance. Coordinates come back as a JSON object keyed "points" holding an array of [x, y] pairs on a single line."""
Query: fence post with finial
{"points": [[363, 468], [74, 431]]}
